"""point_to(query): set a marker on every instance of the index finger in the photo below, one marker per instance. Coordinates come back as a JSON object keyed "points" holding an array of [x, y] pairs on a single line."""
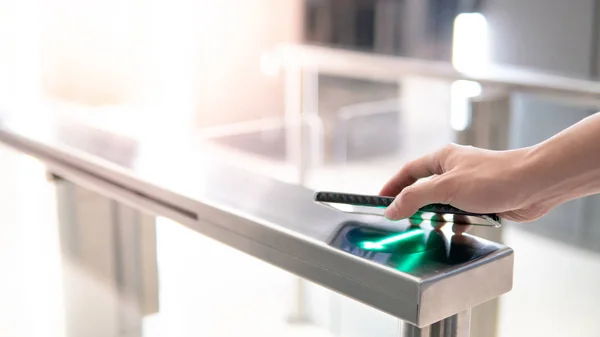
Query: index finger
{"points": [[411, 172]]}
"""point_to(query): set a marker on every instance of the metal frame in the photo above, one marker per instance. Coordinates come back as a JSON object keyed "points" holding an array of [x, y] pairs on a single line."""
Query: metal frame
{"points": [[292, 236], [117, 245], [302, 64], [490, 113], [348, 63]]}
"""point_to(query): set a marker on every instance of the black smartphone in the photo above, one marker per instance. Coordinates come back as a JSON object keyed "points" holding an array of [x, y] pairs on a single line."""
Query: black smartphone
{"points": [[376, 205]]}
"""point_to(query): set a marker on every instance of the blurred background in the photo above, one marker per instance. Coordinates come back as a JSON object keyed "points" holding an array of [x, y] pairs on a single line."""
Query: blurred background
{"points": [[331, 94]]}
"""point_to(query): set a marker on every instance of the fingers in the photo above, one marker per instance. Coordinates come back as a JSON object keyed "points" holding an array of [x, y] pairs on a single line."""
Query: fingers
{"points": [[420, 168], [416, 196]]}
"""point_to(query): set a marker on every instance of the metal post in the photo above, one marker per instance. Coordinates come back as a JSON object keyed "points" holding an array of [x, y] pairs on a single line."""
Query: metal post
{"points": [[488, 128], [312, 126], [489, 122], [293, 118], [454, 326], [108, 250], [303, 146], [296, 156]]}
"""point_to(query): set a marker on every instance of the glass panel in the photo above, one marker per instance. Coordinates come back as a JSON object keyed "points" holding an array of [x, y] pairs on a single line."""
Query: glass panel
{"points": [[371, 127]]}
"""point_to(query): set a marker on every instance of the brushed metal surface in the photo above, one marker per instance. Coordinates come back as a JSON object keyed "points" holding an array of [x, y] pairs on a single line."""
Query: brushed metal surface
{"points": [[269, 219]]}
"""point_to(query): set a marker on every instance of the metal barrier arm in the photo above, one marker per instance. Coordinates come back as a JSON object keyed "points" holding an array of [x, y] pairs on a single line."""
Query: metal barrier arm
{"points": [[391, 68], [235, 208]]}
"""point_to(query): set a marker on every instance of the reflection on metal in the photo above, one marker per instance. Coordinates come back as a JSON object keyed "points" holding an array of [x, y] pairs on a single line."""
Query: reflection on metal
{"points": [[109, 262], [435, 258], [453, 326]]}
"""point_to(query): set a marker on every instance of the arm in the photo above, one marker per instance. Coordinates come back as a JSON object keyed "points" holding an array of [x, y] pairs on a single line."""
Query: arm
{"points": [[520, 185], [567, 166]]}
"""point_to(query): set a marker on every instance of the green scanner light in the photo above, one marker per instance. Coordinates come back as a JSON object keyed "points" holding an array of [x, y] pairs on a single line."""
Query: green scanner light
{"points": [[378, 245]]}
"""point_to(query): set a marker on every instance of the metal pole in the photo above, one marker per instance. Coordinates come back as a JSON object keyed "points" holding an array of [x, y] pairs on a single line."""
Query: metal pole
{"points": [[108, 253], [489, 129], [293, 118], [301, 95], [458, 325]]}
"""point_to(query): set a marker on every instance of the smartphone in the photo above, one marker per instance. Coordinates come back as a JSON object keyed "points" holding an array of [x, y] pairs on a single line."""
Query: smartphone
{"points": [[376, 205]]}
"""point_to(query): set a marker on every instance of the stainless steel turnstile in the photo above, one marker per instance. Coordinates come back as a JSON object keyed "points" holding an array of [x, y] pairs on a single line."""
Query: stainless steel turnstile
{"points": [[428, 277]]}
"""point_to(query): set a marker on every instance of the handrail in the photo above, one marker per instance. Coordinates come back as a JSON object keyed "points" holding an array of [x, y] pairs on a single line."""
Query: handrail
{"points": [[390, 68]]}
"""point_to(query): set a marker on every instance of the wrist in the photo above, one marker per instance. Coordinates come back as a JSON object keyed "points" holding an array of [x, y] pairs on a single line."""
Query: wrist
{"points": [[555, 174], [564, 167], [539, 169], [532, 175]]}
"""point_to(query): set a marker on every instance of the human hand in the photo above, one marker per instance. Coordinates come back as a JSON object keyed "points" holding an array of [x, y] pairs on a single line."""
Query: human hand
{"points": [[472, 179]]}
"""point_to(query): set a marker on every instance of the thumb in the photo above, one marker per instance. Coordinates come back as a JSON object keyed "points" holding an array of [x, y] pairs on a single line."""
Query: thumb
{"points": [[416, 196]]}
